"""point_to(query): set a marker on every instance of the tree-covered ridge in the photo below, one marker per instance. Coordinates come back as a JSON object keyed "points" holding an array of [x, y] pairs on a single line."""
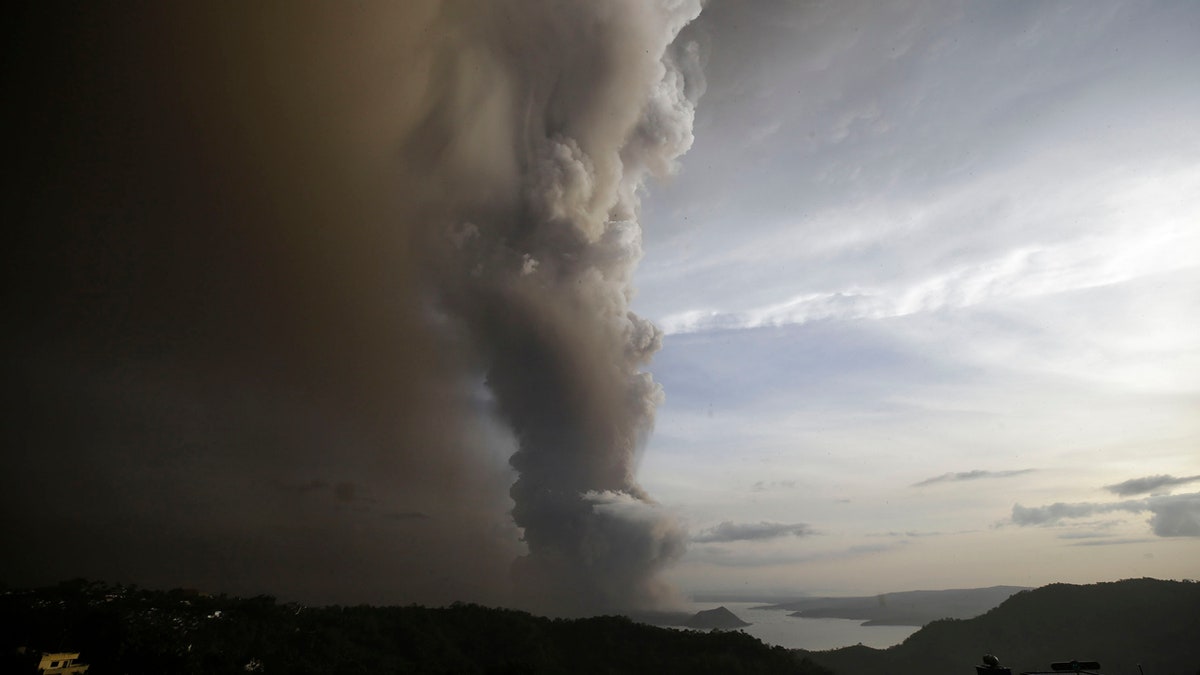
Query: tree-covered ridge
{"points": [[121, 629], [1121, 624]]}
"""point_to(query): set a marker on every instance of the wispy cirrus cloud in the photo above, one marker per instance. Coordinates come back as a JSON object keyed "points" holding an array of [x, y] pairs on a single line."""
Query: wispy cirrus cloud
{"points": [[765, 485], [1172, 515], [1137, 486], [729, 531], [976, 474], [732, 557], [914, 534], [1111, 542], [1094, 530], [833, 284]]}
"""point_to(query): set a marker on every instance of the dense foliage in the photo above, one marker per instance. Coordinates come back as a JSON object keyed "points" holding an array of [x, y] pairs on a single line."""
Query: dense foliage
{"points": [[125, 630], [1121, 624]]}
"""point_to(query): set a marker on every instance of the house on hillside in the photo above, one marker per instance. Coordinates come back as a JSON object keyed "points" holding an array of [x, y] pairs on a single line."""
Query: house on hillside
{"points": [[61, 663]]}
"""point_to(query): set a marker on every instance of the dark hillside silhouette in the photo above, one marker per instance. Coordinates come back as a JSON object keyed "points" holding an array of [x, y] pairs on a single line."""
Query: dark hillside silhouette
{"points": [[1120, 624], [125, 630]]}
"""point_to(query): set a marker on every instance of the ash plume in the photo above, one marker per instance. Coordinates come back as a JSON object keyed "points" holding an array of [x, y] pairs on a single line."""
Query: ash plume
{"points": [[261, 246], [541, 285]]}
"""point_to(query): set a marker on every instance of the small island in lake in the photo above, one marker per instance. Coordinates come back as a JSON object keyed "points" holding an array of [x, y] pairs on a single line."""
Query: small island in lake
{"points": [[719, 618]]}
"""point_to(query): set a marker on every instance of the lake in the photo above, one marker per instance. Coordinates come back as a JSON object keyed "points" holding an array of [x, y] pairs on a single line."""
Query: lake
{"points": [[775, 627]]}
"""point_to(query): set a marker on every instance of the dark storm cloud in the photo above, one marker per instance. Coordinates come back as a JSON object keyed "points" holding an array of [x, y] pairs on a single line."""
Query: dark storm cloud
{"points": [[273, 245], [1171, 515], [976, 474], [1136, 486], [728, 531]]}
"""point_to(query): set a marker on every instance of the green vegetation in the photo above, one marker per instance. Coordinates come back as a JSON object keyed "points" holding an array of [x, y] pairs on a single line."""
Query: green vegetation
{"points": [[1121, 624], [121, 629]]}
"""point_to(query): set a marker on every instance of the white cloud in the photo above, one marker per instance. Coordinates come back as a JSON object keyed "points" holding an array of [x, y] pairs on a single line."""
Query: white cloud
{"points": [[729, 557], [1173, 516], [1138, 226], [967, 238], [728, 531], [975, 474]]}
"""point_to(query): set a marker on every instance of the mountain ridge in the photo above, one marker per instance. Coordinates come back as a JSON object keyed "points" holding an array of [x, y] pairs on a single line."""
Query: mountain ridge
{"points": [[1146, 623], [902, 608]]}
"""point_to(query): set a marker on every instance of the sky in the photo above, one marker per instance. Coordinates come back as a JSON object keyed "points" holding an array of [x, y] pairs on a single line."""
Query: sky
{"points": [[930, 285], [585, 307]]}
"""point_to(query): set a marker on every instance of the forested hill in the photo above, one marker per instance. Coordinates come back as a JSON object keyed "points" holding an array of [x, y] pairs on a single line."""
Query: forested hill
{"points": [[125, 630], [1120, 624]]}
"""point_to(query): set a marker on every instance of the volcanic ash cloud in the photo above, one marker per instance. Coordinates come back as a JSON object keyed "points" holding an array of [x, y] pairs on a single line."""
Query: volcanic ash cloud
{"points": [[600, 100], [272, 252]]}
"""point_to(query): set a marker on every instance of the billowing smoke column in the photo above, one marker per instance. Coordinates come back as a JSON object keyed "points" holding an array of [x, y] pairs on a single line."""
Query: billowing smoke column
{"points": [[543, 288], [269, 253]]}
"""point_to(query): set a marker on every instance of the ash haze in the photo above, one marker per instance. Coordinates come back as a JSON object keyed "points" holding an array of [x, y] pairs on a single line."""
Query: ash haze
{"points": [[338, 302], [332, 301]]}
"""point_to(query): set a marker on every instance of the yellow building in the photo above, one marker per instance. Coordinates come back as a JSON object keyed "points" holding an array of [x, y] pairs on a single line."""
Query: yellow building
{"points": [[61, 663]]}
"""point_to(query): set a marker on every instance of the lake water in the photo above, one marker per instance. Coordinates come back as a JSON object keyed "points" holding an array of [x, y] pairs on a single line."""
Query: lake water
{"points": [[775, 627]]}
